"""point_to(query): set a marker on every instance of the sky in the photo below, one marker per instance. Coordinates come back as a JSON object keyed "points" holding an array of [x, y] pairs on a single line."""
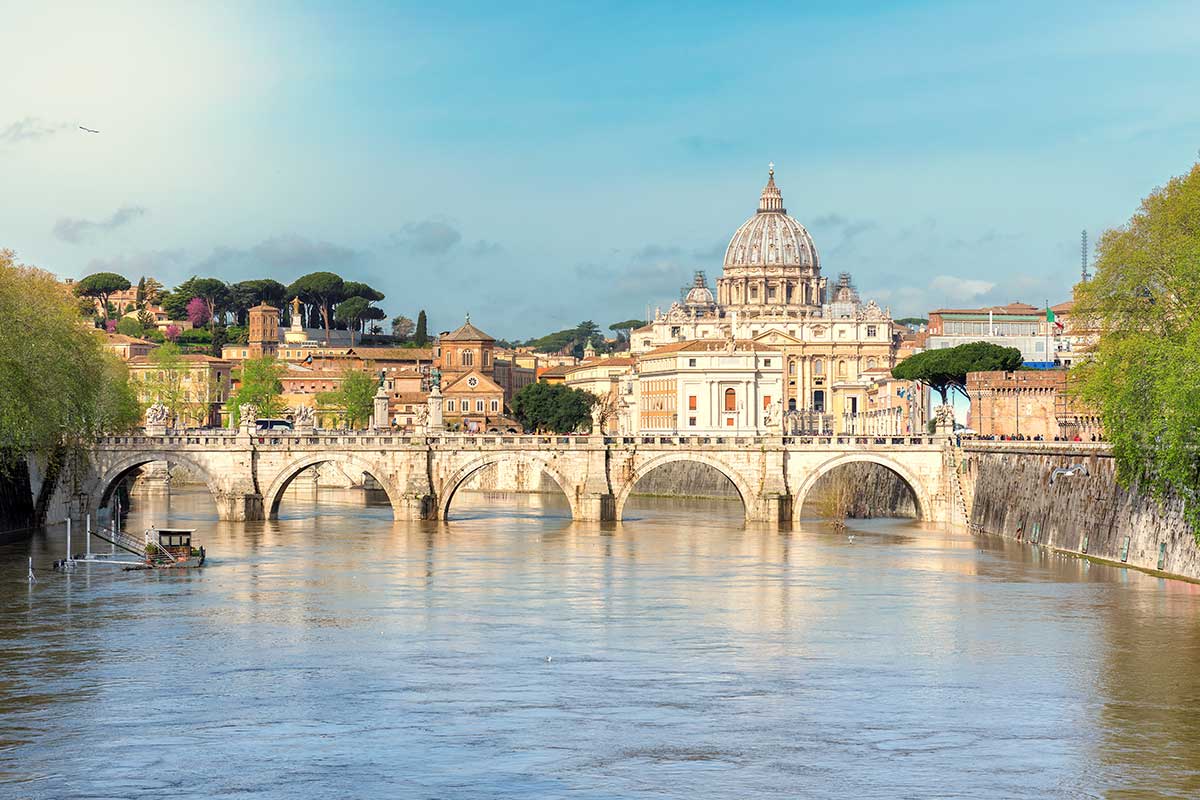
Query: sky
{"points": [[535, 165]]}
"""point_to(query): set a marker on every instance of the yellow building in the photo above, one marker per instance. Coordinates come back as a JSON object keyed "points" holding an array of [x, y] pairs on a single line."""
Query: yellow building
{"points": [[194, 390]]}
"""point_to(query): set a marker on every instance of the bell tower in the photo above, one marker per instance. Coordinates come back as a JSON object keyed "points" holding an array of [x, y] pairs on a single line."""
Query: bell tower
{"points": [[263, 336]]}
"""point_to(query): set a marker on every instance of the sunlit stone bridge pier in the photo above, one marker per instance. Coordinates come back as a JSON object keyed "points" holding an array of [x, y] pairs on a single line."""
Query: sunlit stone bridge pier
{"points": [[247, 473]]}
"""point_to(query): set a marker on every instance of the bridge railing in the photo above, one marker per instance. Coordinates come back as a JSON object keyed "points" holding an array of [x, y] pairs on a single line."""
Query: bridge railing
{"points": [[222, 438]]}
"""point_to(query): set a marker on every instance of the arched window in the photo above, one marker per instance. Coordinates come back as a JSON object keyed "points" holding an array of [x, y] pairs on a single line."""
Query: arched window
{"points": [[468, 358], [792, 367], [730, 400], [842, 368], [818, 367]]}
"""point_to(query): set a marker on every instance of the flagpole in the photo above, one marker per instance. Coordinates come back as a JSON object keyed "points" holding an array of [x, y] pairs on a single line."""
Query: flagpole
{"points": [[1048, 356]]}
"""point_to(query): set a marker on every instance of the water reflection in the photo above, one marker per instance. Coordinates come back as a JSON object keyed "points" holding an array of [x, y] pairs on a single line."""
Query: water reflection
{"points": [[513, 652]]}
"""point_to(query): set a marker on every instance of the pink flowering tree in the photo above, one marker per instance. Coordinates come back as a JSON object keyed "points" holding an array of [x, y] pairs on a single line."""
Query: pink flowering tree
{"points": [[198, 313], [172, 332], [110, 326]]}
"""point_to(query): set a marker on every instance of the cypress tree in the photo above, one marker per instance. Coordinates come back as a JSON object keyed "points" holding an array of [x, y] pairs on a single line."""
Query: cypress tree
{"points": [[421, 337]]}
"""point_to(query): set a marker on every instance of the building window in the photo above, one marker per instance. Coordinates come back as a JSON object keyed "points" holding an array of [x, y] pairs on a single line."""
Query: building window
{"points": [[771, 293], [791, 367], [468, 358], [495, 406], [479, 406], [818, 367], [841, 369], [691, 362], [871, 330], [691, 402], [819, 400], [766, 401], [449, 405], [692, 421], [753, 292], [486, 357], [730, 400], [729, 422]]}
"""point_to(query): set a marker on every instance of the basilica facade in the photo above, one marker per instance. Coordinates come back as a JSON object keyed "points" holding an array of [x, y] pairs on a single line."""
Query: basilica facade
{"points": [[828, 350]]}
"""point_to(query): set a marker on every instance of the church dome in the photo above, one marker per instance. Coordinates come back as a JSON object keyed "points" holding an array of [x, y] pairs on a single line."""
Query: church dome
{"points": [[771, 238]]}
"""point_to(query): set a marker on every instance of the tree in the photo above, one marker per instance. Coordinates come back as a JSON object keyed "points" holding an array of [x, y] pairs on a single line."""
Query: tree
{"points": [[165, 383], [354, 398], [213, 291], [349, 312], [323, 290], [172, 333], [1143, 374], [259, 382], [60, 387], [625, 326], [358, 289], [558, 408], [152, 292], [946, 369], [198, 312], [421, 337], [245, 295], [101, 285], [175, 304], [129, 326], [140, 297], [402, 327]]}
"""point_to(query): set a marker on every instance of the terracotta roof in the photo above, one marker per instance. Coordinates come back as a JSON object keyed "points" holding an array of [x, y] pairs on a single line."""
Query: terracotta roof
{"points": [[264, 307], [561, 369], [486, 384], [466, 333], [395, 353], [600, 362], [194, 358], [1011, 308], [120, 338], [1064, 307], [410, 397]]}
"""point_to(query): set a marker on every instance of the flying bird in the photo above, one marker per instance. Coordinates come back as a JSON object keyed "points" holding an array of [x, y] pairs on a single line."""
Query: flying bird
{"points": [[89, 130]]}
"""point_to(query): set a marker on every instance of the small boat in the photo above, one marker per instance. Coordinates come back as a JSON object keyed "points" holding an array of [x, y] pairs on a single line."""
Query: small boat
{"points": [[171, 548]]}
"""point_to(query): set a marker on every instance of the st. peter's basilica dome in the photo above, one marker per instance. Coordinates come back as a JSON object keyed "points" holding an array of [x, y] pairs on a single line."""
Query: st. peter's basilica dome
{"points": [[771, 238]]}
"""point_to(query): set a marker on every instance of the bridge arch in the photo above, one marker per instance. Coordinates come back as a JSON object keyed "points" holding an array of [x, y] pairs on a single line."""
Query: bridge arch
{"points": [[110, 477], [920, 493], [745, 493], [279, 485], [451, 485]]}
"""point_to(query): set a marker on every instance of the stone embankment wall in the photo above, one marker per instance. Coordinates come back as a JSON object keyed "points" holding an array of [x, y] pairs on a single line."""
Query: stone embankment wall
{"points": [[1009, 491]]}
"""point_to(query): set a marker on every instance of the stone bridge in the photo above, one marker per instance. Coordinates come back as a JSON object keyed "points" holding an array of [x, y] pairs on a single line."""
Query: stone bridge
{"points": [[247, 473]]}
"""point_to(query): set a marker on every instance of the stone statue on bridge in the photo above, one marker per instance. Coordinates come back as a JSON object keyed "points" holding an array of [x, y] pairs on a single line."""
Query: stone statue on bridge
{"points": [[304, 417], [247, 416], [157, 416]]}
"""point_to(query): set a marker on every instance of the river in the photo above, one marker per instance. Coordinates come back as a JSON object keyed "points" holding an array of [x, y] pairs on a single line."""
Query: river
{"points": [[514, 653]]}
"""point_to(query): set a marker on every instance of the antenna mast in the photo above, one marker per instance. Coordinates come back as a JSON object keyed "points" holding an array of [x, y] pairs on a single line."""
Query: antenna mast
{"points": [[1083, 256]]}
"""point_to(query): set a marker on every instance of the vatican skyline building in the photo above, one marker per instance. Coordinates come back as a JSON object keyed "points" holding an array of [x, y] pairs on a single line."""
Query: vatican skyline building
{"points": [[802, 354]]}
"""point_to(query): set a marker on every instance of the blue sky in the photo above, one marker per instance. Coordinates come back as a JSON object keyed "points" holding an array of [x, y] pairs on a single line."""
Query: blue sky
{"points": [[537, 165]]}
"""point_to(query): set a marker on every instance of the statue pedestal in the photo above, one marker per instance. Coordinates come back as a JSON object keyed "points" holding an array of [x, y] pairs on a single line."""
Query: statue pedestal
{"points": [[156, 430], [436, 423], [379, 416]]}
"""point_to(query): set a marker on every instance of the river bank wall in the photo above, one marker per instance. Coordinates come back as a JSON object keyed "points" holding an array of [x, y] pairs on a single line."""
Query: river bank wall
{"points": [[1009, 491]]}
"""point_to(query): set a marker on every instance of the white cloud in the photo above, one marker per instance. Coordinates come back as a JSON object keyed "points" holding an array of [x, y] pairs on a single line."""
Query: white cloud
{"points": [[955, 288]]}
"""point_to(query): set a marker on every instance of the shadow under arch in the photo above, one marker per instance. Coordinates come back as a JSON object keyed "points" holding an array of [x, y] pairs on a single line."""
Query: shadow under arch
{"points": [[464, 473], [920, 497], [108, 482], [275, 492], [743, 490]]}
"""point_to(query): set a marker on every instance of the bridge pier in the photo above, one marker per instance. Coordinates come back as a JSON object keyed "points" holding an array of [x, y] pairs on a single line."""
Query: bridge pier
{"points": [[239, 506], [769, 507], [596, 507]]}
